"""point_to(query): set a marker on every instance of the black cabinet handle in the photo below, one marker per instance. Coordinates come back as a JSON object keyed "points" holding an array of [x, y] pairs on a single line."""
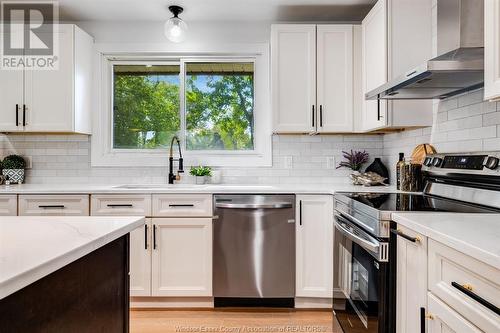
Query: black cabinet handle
{"points": [[405, 236], [181, 205], [17, 114], [119, 205], [51, 206], [24, 114], [300, 212], [422, 320], [378, 108], [476, 297], [154, 236], [313, 122], [321, 116], [145, 237]]}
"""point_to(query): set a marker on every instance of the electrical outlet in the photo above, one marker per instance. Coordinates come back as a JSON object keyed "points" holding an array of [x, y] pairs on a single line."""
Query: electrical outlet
{"points": [[29, 162], [288, 162], [330, 162]]}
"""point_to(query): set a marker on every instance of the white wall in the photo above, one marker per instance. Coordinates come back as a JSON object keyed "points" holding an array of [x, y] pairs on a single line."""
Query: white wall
{"points": [[200, 33]]}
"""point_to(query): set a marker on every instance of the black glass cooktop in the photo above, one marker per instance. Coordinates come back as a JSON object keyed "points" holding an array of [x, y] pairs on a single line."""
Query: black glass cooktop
{"points": [[415, 202]]}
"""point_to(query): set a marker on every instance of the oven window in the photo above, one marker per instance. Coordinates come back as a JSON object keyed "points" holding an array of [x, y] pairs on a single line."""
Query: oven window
{"points": [[359, 291]]}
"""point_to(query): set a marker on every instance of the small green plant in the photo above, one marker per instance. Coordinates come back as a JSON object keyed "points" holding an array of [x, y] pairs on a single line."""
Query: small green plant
{"points": [[13, 162], [200, 171]]}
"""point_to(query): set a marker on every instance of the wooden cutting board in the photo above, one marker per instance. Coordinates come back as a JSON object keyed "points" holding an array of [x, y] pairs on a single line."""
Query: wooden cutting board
{"points": [[421, 151]]}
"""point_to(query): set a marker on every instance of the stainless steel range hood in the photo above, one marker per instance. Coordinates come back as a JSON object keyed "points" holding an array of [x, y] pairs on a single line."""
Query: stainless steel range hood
{"points": [[459, 68]]}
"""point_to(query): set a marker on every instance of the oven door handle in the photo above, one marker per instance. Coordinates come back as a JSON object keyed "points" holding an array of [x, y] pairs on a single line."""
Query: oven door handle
{"points": [[370, 246]]}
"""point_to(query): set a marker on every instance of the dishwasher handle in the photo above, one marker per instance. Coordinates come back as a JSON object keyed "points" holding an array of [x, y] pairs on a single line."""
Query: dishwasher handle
{"points": [[274, 205]]}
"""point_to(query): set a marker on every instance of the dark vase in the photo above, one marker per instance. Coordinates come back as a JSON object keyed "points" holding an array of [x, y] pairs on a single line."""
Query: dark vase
{"points": [[379, 168]]}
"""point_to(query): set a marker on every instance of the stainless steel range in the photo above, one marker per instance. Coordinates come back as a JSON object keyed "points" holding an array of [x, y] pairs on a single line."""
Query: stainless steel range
{"points": [[364, 247]]}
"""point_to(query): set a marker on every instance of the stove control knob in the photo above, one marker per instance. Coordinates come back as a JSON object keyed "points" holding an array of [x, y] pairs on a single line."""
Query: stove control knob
{"points": [[492, 162], [428, 161], [437, 162]]}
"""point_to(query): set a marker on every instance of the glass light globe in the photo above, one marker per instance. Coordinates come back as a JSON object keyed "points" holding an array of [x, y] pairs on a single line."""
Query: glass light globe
{"points": [[176, 29]]}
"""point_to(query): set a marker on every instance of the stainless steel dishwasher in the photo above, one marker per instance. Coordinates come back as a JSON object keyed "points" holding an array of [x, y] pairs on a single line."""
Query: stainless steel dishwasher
{"points": [[254, 246]]}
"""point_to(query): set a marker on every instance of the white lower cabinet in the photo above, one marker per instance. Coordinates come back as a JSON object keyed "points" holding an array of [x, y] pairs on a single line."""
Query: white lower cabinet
{"points": [[445, 320], [314, 241], [140, 260], [182, 257], [411, 280], [8, 205], [54, 205], [465, 284], [455, 290]]}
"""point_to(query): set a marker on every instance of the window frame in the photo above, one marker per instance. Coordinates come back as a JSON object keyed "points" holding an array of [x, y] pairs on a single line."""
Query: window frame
{"points": [[102, 150]]}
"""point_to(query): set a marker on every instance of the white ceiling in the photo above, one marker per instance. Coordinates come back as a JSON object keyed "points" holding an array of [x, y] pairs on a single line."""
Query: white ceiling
{"points": [[215, 10]]}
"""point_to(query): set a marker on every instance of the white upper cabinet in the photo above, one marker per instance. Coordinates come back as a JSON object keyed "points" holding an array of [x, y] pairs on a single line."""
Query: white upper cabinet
{"points": [[492, 49], [312, 78], [374, 32], [11, 100], [396, 37], [56, 100], [335, 78], [293, 51]]}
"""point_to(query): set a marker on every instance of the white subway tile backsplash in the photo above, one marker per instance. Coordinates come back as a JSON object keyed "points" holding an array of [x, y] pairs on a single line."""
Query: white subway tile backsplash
{"points": [[66, 159]]}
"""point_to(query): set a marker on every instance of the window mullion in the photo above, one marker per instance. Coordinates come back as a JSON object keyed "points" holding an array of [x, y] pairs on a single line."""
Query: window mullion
{"points": [[182, 106]]}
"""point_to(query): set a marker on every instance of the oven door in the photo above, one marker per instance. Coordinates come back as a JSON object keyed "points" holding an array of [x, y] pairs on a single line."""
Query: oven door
{"points": [[360, 279]]}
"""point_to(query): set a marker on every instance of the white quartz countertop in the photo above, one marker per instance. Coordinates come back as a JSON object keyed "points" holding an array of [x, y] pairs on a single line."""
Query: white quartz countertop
{"points": [[188, 188], [33, 247], [477, 235]]}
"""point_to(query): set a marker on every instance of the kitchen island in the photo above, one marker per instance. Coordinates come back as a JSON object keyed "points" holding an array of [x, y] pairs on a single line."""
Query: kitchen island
{"points": [[65, 274]]}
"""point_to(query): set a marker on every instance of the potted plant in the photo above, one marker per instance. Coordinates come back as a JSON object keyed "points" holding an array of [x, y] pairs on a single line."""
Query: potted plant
{"points": [[353, 160], [201, 173], [13, 168]]}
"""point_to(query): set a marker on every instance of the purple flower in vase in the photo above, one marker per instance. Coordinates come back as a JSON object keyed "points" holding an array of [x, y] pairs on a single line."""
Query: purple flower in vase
{"points": [[353, 160]]}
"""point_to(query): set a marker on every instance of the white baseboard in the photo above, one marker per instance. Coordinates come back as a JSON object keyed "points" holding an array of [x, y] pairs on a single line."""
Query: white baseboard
{"points": [[313, 303], [171, 302]]}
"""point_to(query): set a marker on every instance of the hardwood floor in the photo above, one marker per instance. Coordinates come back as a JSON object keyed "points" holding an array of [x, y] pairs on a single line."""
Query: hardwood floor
{"points": [[232, 321]]}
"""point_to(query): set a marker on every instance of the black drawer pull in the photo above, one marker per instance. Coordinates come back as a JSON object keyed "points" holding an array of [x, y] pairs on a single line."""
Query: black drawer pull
{"points": [[51, 206], [405, 236], [300, 212], [321, 116], [181, 205], [120, 205], [477, 298], [154, 236], [313, 122], [24, 114], [145, 237], [17, 114], [379, 116], [422, 320]]}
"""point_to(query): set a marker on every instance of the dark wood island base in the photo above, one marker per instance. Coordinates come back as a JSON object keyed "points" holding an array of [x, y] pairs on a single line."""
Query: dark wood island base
{"points": [[90, 295]]}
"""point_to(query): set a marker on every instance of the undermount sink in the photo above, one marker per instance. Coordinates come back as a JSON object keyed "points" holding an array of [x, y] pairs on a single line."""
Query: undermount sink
{"points": [[159, 186]]}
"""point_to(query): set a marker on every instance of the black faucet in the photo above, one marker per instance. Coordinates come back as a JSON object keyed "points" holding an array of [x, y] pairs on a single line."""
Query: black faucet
{"points": [[171, 176]]}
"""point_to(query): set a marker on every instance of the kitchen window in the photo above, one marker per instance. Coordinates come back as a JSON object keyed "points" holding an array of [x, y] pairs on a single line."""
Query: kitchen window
{"points": [[218, 106], [218, 110]]}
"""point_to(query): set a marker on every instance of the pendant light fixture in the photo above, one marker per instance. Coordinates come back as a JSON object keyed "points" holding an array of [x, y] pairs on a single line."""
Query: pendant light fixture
{"points": [[175, 28]]}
